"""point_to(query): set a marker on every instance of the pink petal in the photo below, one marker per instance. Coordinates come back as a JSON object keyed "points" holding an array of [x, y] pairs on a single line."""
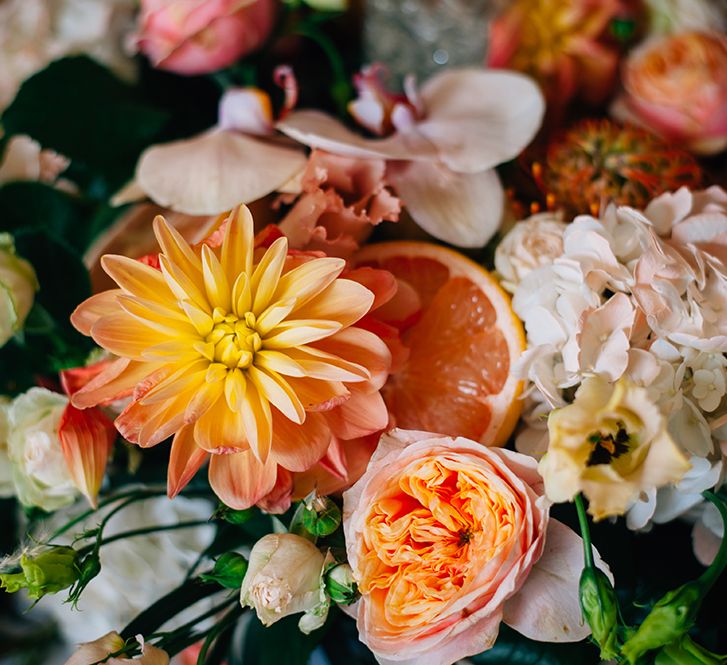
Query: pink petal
{"points": [[547, 608], [460, 208], [480, 118], [215, 171]]}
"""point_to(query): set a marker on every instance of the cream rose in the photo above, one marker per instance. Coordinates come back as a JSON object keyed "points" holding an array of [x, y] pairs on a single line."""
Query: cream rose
{"points": [[530, 244], [7, 488], [39, 468], [18, 285], [611, 443], [285, 577], [447, 538]]}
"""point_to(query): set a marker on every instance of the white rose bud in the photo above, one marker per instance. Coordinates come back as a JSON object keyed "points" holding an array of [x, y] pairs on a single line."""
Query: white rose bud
{"points": [[285, 577], [530, 244], [39, 470], [18, 285]]}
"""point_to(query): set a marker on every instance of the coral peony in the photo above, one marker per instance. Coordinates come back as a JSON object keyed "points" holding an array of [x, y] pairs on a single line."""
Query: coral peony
{"points": [[446, 539], [676, 86], [200, 37], [252, 357]]}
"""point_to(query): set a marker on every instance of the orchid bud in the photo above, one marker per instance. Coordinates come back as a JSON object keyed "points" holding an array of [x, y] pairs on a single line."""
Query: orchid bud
{"points": [[320, 516], [50, 571], [18, 285], [284, 577], [340, 585], [687, 652], [600, 610], [672, 616], [229, 571]]}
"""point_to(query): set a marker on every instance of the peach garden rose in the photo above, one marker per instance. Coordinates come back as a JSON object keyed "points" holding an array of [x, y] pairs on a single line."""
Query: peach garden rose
{"points": [[446, 539]]}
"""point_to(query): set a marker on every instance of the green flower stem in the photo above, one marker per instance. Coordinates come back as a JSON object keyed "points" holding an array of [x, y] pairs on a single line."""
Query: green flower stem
{"points": [[585, 532], [140, 532], [708, 578], [218, 630], [168, 636]]}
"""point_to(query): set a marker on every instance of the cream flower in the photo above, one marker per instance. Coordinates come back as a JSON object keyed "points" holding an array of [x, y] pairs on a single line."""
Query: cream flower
{"points": [[7, 488], [18, 285], [611, 444], [285, 577], [534, 242]]}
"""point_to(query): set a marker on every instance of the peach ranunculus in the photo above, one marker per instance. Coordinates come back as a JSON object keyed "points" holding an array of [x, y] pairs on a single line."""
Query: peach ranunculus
{"points": [[611, 443], [342, 199], [248, 357], [99, 650], [193, 37], [561, 44], [676, 87], [446, 539]]}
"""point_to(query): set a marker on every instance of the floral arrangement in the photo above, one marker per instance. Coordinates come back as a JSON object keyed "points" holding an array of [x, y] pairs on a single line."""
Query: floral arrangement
{"points": [[300, 364]]}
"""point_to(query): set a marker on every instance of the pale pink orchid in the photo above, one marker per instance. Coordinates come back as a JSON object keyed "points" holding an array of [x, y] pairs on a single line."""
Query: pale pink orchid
{"points": [[239, 160], [447, 139]]}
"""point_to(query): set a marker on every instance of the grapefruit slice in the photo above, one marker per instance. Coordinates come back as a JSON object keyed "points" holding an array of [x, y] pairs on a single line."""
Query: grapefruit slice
{"points": [[463, 339]]}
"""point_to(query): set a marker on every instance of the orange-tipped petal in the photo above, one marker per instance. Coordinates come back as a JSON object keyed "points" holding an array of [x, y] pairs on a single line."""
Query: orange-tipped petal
{"points": [[361, 415], [91, 310], [299, 447], [240, 480], [86, 440], [75, 378], [117, 380], [185, 459]]}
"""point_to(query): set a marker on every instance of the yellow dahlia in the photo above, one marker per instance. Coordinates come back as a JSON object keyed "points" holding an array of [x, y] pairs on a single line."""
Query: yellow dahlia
{"points": [[248, 355]]}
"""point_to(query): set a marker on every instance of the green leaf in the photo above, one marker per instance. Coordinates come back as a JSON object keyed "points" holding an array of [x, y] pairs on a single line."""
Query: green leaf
{"points": [[280, 643], [35, 205], [78, 108]]}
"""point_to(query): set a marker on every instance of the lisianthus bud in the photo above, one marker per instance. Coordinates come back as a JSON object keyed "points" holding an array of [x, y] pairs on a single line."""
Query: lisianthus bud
{"points": [[600, 610], [89, 568], [285, 577], [18, 285], [232, 516], [669, 620], [50, 571], [687, 652], [340, 585], [229, 571], [320, 516]]}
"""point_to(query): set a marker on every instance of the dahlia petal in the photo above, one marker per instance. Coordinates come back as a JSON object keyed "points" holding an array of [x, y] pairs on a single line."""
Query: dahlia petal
{"points": [[187, 377], [319, 395], [264, 280], [299, 447], [362, 414], [317, 364], [210, 174], [185, 459], [200, 319], [546, 608], [381, 283], [86, 440], [136, 278], [345, 301], [181, 285], [235, 387], [272, 387], [240, 480], [176, 248], [91, 310], [149, 424], [242, 295], [215, 280], [273, 315], [257, 421], [238, 244], [473, 135], [205, 397], [157, 317], [309, 279], [279, 362], [114, 382], [360, 346], [123, 335], [220, 429], [298, 332], [460, 208]]}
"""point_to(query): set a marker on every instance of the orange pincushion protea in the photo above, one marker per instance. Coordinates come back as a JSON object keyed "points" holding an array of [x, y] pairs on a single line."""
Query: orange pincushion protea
{"points": [[250, 357], [600, 160]]}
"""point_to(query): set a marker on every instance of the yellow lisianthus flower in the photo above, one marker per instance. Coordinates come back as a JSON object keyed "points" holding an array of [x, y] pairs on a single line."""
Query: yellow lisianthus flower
{"points": [[251, 356], [611, 444]]}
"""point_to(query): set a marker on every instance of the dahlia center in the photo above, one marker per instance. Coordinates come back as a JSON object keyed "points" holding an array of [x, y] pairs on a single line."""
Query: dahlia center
{"points": [[233, 341]]}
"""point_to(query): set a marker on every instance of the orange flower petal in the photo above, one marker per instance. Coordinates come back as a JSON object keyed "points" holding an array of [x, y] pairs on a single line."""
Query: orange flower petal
{"points": [[240, 480], [185, 459], [91, 310], [299, 447]]}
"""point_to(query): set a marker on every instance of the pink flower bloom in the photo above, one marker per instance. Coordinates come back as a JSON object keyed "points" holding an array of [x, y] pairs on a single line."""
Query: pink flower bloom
{"points": [[676, 87], [446, 539], [449, 137], [195, 37], [342, 199]]}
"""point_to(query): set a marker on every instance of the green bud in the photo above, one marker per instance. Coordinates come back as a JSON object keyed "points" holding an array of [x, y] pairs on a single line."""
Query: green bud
{"points": [[229, 571], [668, 621], [320, 516], [233, 516], [340, 585], [50, 571], [600, 610], [687, 652]]}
